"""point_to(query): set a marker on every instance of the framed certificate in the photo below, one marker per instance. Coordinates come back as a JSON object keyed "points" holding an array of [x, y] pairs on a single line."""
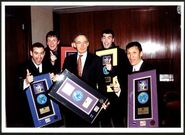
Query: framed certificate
{"points": [[44, 111], [109, 58], [66, 51], [76, 95], [142, 99]]}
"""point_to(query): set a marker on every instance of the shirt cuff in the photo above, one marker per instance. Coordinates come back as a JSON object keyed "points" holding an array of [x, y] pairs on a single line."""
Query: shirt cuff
{"points": [[118, 93]]}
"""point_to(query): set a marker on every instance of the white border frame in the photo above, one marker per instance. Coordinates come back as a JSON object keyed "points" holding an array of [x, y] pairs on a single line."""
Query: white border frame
{"points": [[87, 130]]}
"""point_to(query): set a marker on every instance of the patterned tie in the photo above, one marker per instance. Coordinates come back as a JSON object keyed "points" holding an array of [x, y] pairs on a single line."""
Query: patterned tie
{"points": [[79, 62]]}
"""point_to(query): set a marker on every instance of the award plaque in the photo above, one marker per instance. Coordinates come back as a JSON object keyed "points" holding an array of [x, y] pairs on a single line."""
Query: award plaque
{"points": [[109, 57], [142, 99], [66, 51], [77, 96], [44, 111]]}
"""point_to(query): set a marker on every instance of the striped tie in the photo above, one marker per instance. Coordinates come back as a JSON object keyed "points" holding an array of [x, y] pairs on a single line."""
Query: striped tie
{"points": [[79, 62]]}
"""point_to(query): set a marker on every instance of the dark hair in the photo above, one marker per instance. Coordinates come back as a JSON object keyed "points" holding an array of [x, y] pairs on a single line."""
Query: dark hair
{"points": [[52, 34], [135, 43], [108, 31], [37, 44]]}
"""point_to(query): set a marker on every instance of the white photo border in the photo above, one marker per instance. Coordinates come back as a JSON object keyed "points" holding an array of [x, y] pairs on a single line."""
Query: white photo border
{"points": [[86, 130]]}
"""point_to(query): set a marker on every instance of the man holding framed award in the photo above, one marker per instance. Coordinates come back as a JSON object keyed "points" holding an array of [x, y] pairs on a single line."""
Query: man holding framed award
{"points": [[88, 68], [115, 67], [143, 92], [35, 66]]}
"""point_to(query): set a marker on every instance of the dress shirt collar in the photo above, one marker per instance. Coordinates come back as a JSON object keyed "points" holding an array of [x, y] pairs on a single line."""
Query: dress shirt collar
{"points": [[137, 67], [84, 55], [36, 65]]}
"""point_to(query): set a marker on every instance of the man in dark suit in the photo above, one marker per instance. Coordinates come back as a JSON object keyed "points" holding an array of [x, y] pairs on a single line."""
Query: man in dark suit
{"points": [[33, 67], [53, 50], [90, 72], [134, 54], [117, 111]]}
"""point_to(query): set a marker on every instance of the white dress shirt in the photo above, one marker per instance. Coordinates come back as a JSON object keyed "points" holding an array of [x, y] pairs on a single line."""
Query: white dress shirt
{"points": [[137, 67]]}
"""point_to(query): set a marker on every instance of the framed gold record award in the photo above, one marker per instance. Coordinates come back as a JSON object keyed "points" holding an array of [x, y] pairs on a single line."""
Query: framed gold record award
{"points": [[109, 58]]}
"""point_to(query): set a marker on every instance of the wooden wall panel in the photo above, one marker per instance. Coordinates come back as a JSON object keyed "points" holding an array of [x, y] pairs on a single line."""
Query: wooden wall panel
{"points": [[157, 28]]}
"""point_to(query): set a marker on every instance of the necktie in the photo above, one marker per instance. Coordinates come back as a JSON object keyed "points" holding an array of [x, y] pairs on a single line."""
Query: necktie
{"points": [[134, 69], [79, 62], [38, 69]]}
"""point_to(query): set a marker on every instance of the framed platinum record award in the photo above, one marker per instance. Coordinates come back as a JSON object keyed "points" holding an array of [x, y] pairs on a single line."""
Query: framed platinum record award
{"points": [[44, 111], [142, 99], [77, 96]]}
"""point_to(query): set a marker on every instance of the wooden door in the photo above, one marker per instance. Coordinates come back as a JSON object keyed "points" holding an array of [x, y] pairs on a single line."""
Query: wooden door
{"points": [[17, 42]]}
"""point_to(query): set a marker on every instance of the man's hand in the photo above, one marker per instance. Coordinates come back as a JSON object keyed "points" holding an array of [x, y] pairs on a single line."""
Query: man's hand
{"points": [[29, 77], [54, 77], [104, 106], [53, 58], [116, 85]]}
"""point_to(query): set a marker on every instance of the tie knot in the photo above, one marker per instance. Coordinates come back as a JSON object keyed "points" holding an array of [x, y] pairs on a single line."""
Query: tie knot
{"points": [[80, 56], [38, 68]]}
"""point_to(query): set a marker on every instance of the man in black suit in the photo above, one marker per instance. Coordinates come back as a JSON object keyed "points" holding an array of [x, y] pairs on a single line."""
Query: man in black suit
{"points": [[90, 72], [53, 50], [134, 54], [33, 67], [117, 112]]}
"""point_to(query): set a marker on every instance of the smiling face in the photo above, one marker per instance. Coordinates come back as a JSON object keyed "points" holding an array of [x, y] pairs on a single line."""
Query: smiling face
{"points": [[107, 40], [81, 43], [134, 55], [52, 43], [37, 55]]}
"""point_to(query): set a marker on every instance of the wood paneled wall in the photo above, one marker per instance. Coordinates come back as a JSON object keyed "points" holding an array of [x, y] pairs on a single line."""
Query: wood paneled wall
{"points": [[157, 28]]}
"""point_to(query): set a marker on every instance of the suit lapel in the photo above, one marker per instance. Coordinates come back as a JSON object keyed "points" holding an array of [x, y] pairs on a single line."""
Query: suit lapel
{"points": [[87, 63]]}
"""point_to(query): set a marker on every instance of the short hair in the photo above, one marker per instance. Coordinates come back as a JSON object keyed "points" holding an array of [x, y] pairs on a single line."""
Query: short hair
{"points": [[37, 44], [135, 43], [108, 31], [80, 34], [52, 34]]}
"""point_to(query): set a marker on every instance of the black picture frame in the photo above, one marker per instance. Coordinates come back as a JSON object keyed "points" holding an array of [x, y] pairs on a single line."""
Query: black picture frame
{"points": [[78, 96]]}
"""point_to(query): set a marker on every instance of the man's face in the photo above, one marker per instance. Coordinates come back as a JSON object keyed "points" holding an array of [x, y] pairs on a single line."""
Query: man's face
{"points": [[81, 44], [134, 56], [107, 40], [37, 54], [52, 43]]}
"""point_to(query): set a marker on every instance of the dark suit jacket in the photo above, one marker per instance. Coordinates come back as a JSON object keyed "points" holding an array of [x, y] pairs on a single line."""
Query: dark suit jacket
{"points": [[118, 105], [92, 74], [46, 68], [57, 64], [147, 66], [144, 67], [92, 71]]}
